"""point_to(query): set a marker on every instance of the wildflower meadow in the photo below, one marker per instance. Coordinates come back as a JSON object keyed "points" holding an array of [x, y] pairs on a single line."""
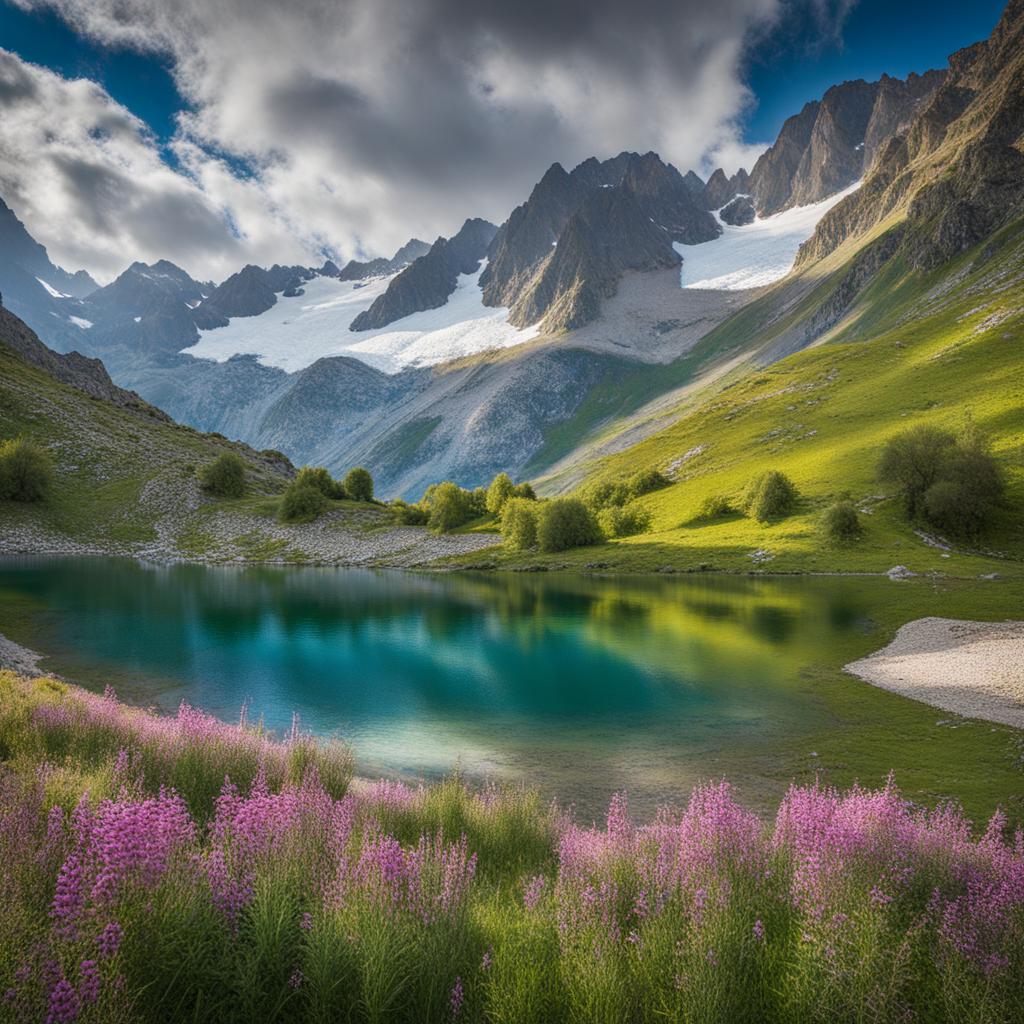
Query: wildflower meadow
{"points": [[182, 869]]}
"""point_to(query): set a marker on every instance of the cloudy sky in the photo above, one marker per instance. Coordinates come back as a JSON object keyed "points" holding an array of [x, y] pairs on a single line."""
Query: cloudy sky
{"points": [[219, 132]]}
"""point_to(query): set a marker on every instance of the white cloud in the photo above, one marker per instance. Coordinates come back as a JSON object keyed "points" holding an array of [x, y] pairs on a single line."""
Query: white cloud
{"points": [[364, 121]]}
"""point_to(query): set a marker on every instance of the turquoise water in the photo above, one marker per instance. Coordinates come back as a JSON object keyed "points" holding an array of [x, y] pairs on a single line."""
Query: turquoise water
{"points": [[579, 685]]}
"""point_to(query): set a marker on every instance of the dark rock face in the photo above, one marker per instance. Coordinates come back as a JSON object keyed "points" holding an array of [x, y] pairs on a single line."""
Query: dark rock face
{"points": [[954, 195], [720, 188], [896, 105], [771, 180], [609, 234], [694, 182], [428, 281], [738, 211], [662, 193], [247, 293]]}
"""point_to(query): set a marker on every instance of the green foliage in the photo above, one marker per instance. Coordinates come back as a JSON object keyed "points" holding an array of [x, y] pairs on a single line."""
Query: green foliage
{"points": [[647, 480], [519, 523], [301, 503], [716, 506], [952, 482], [451, 506], [524, 490], [224, 477], [770, 496], [359, 484], [410, 515], [477, 502], [607, 494], [318, 477], [564, 523], [911, 462], [626, 521], [500, 490], [26, 471], [840, 523]]}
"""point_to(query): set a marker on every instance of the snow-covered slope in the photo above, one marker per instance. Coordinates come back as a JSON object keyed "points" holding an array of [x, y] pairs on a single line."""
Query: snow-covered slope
{"points": [[754, 254], [296, 332]]}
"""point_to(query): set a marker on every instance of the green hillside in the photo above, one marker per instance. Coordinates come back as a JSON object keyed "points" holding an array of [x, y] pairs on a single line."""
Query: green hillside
{"points": [[913, 349]]}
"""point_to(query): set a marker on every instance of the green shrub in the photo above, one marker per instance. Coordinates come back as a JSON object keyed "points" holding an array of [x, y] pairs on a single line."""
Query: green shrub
{"points": [[952, 482], [318, 477], [26, 470], [771, 496], [624, 522], [359, 484], [224, 477], [524, 490], [566, 523], [450, 506], [840, 523], [969, 490], [716, 506], [476, 502], [498, 493], [607, 495], [519, 523], [647, 480], [911, 462], [301, 503], [410, 515]]}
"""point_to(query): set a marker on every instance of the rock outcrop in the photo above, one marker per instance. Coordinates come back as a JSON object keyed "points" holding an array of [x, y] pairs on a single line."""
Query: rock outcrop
{"points": [[356, 270], [428, 281], [738, 211], [720, 188]]}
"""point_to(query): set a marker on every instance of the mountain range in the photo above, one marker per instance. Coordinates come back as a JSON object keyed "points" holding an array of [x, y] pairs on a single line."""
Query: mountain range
{"points": [[573, 327]]}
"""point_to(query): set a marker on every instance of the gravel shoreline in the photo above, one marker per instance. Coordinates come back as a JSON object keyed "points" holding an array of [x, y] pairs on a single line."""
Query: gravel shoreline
{"points": [[974, 669], [19, 659]]}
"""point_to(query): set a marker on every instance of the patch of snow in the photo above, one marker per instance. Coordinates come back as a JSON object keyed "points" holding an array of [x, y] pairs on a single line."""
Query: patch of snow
{"points": [[79, 321], [756, 254], [136, 318], [53, 291], [294, 334]]}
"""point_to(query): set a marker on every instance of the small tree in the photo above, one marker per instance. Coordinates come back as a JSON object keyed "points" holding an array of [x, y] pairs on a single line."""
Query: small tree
{"points": [[519, 523], [359, 484], [318, 477], [624, 522], [524, 490], [449, 507], [607, 495], [771, 496], [969, 490], [647, 480], [716, 506], [410, 515], [498, 493], [566, 523], [224, 477], [911, 462], [301, 503], [26, 470], [840, 523]]}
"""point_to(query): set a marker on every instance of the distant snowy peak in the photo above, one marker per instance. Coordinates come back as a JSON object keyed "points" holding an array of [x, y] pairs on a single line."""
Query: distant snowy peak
{"points": [[755, 253]]}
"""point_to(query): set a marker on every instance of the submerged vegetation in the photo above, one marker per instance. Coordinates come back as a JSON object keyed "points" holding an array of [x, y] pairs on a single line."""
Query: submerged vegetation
{"points": [[180, 868]]}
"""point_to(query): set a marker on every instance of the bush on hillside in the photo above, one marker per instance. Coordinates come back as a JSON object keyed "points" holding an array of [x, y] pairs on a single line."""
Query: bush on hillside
{"points": [[224, 477], [519, 523], [451, 506], [410, 515], [771, 496], [607, 494], [840, 523], [524, 490], [951, 482], [476, 502], [358, 484], [26, 471], [318, 477], [626, 521], [647, 480], [911, 463], [566, 523], [716, 506], [301, 503], [500, 490]]}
